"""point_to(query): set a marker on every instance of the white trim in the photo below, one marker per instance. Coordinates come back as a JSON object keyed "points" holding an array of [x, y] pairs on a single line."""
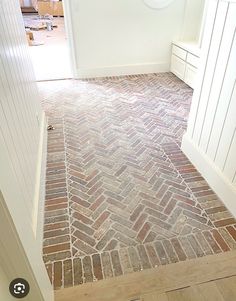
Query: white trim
{"points": [[213, 175], [123, 70], [158, 4], [39, 197], [230, 1], [14, 261], [70, 35]]}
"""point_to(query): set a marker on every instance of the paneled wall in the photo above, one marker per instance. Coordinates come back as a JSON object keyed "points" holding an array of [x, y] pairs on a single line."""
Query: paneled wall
{"points": [[20, 111], [210, 141], [22, 132]]}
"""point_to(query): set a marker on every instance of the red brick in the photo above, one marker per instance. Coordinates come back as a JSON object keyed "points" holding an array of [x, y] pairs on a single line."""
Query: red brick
{"points": [[232, 232], [139, 222], [211, 242], [225, 222], [143, 232], [57, 273], [82, 218], [68, 278], [87, 268], [97, 224], [178, 249], [55, 207], [57, 248], [116, 263], [216, 210], [78, 273], [97, 203], [152, 255], [97, 267], [55, 226], [85, 238], [80, 201], [220, 240], [170, 207]]}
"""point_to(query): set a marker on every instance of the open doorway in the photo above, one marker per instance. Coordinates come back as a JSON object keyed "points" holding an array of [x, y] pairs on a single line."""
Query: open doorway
{"points": [[46, 34]]}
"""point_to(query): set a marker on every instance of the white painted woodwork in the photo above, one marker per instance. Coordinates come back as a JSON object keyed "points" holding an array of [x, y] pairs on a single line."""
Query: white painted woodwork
{"points": [[185, 61], [180, 52], [193, 20], [158, 4], [22, 147], [190, 75], [210, 141], [188, 48], [193, 60], [178, 66]]}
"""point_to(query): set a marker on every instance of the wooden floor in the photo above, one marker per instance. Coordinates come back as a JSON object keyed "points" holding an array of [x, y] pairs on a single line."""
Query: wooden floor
{"points": [[210, 278]]}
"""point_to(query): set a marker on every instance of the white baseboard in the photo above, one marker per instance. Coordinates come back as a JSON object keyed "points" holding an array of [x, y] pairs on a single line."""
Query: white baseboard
{"points": [[39, 196], [212, 174], [122, 70]]}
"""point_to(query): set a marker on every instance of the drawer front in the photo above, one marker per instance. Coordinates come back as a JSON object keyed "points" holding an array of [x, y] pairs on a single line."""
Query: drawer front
{"points": [[190, 75], [178, 66], [193, 60], [179, 52]]}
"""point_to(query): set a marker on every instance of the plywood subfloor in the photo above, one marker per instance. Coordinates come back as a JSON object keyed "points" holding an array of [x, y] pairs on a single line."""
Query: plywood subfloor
{"points": [[210, 278]]}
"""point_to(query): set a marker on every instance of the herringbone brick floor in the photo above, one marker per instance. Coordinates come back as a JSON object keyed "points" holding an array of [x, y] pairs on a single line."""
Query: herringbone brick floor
{"points": [[120, 194]]}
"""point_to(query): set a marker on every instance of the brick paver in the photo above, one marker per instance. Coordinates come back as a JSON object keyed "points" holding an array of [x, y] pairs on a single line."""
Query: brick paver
{"points": [[120, 194]]}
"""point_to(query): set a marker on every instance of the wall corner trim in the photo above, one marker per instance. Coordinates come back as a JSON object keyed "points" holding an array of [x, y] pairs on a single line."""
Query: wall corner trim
{"points": [[213, 175], [39, 195]]}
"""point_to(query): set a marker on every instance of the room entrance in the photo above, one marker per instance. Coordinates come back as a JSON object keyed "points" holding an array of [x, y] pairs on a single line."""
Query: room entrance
{"points": [[45, 29]]}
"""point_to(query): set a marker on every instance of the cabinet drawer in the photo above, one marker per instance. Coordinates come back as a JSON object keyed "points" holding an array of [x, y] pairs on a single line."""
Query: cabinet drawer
{"points": [[192, 60], [179, 52], [190, 75], [178, 66]]}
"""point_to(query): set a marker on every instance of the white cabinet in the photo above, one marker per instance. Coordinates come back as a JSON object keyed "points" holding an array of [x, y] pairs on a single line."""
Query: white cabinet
{"points": [[190, 75], [178, 66], [185, 61], [186, 51]]}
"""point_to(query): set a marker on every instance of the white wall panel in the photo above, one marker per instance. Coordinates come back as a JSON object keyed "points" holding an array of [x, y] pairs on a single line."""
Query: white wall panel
{"points": [[22, 131], [210, 141], [210, 69]]}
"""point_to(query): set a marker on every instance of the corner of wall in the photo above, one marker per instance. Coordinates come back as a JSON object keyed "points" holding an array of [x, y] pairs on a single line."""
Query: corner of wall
{"points": [[39, 197], [213, 175]]}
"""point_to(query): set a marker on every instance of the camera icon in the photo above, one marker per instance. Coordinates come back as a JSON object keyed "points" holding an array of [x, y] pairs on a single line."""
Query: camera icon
{"points": [[19, 288]]}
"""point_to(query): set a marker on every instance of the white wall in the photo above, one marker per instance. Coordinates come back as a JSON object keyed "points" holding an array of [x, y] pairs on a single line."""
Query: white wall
{"points": [[114, 37], [210, 141], [193, 15], [4, 283], [22, 129]]}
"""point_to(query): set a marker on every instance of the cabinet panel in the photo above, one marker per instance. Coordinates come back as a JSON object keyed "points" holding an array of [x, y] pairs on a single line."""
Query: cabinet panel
{"points": [[178, 66], [190, 75], [192, 60], [181, 53]]}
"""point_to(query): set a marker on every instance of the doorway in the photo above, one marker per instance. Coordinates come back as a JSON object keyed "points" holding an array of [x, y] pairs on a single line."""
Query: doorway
{"points": [[46, 34]]}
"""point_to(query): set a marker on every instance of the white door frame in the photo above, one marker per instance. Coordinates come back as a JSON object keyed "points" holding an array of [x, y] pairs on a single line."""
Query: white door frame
{"points": [[14, 262], [70, 36]]}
